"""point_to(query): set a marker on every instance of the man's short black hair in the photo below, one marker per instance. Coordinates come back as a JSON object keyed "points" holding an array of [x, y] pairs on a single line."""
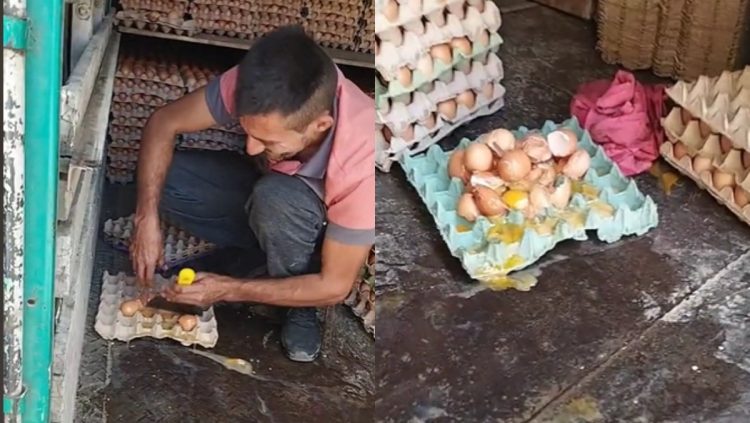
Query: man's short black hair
{"points": [[285, 71]]}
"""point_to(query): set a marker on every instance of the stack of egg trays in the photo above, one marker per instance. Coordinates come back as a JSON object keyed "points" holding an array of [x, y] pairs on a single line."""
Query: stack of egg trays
{"points": [[112, 324], [361, 299], [179, 246], [156, 15], [716, 126], [407, 118], [366, 32], [635, 213], [335, 23]]}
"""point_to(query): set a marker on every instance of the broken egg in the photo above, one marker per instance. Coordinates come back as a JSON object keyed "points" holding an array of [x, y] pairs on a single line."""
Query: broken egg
{"points": [[486, 179], [516, 199], [489, 202], [456, 167], [577, 165], [130, 307], [539, 198], [562, 143], [535, 146], [514, 165], [478, 158], [467, 208], [562, 190], [500, 140], [187, 322]]}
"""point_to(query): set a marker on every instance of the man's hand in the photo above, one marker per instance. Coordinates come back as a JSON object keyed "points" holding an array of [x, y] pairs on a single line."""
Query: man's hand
{"points": [[146, 249], [207, 289]]}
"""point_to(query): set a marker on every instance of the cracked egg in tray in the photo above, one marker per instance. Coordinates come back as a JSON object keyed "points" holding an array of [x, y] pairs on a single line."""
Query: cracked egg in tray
{"points": [[711, 159], [502, 201], [123, 317]]}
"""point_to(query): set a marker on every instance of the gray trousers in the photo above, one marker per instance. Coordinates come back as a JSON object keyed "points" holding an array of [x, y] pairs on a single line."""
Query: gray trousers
{"points": [[223, 198]]}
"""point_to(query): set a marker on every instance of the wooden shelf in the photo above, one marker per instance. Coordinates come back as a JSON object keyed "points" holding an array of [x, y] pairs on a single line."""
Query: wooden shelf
{"points": [[343, 57]]}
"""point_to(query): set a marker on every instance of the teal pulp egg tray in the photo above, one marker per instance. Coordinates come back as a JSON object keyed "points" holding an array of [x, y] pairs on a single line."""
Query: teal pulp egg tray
{"points": [[631, 211]]}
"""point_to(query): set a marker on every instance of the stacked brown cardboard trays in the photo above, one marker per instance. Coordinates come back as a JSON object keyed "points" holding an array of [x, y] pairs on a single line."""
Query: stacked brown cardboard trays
{"points": [[709, 136]]}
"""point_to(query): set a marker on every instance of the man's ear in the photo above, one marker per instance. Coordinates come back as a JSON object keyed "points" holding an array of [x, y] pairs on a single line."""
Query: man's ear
{"points": [[322, 123]]}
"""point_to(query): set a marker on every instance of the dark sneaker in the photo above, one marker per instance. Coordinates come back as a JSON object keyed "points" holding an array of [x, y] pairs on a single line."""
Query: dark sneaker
{"points": [[300, 335]]}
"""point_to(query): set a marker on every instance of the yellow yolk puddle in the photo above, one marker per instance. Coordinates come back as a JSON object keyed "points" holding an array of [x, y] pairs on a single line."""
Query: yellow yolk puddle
{"points": [[507, 233], [463, 228]]}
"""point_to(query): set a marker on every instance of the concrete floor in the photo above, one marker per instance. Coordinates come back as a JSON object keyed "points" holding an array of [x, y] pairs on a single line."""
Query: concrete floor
{"points": [[648, 329]]}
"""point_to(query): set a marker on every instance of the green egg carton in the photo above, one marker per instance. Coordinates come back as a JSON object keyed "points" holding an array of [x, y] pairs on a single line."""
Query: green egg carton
{"points": [[631, 212], [395, 88]]}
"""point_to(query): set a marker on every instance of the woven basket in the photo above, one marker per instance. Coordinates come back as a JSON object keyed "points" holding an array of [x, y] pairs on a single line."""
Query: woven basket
{"points": [[677, 38]]}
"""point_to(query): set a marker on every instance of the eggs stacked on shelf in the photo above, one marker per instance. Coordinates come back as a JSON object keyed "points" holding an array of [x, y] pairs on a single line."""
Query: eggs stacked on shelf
{"points": [[437, 68], [243, 19], [141, 86], [366, 37], [501, 173], [335, 24], [156, 15], [709, 136]]}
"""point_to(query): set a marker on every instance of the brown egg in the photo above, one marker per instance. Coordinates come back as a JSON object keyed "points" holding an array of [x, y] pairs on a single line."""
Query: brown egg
{"points": [[187, 322], [489, 202], [408, 133], [442, 52], [484, 38], [535, 146], [430, 121], [448, 109], [488, 89], [562, 190], [500, 140], [387, 134], [679, 150], [686, 116], [467, 98], [746, 159], [722, 179], [462, 44], [404, 76], [467, 207], [726, 144], [486, 179], [129, 308], [577, 165], [701, 163], [705, 130], [514, 165], [148, 312], [548, 175], [390, 10], [456, 167], [478, 158], [741, 197], [562, 143]]}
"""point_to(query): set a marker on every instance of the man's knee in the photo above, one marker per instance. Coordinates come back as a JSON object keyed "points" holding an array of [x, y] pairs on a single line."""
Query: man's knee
{"points": [[284, 204]]}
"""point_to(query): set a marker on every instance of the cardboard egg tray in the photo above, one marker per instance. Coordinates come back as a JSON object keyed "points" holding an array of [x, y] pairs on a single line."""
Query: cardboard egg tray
{"points": [[140, 99], [485, 259], [414, 47], [155, 21], [125, 144], [362, 302], [122, 154], [132, 86], [129, 110], [366, 34], [722, 102], [112, 324], [250, 5], [179, 246], [441, 70], [179, 6], [119, 176], [128, 121], [124, 132], [721, 157], [164, 72]]}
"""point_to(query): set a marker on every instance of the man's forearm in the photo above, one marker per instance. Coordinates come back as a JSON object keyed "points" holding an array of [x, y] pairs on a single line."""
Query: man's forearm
{"points": [[295, 291], [153, 161]]}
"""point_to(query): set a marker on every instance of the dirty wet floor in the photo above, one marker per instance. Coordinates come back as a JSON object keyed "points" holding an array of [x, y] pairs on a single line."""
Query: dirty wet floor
{"points": [[151, 380], [648, 329]]}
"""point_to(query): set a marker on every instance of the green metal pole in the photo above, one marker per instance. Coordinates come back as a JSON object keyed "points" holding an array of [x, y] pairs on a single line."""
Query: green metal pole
{"points": [[43, 82]]}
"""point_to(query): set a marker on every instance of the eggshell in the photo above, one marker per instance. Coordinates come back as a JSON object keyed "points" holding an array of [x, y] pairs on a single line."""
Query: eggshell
{"points": [[404, 76], [701, 163], [514, 165], [726, 144], [562, 143], [187, 322], [448, 109], [462, 44], [467, 98], [478, 158], [548, 175], [535, 146], [577, 165], [456, 167], [467, 207], [488, 202], [741, 197], [539, 198], [679, 150], [443, 53], [486, 179], [562, 190], [130, 307], [500, 140], [722, 180], [390, 10]]}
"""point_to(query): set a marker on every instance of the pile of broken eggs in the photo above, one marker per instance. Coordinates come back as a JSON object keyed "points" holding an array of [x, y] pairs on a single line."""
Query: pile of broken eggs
{"points": [[502, 173], [504, 200]]}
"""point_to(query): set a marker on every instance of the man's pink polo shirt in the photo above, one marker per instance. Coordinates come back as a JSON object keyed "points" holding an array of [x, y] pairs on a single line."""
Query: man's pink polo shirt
{"points": [[342, 172]]}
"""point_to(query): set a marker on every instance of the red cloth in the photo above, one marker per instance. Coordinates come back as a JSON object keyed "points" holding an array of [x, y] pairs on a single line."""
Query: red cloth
{"points": [[623, 116]]}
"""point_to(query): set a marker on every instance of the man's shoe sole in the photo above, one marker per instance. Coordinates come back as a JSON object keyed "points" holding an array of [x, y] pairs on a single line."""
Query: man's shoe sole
{"points": [[300, 357]]}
